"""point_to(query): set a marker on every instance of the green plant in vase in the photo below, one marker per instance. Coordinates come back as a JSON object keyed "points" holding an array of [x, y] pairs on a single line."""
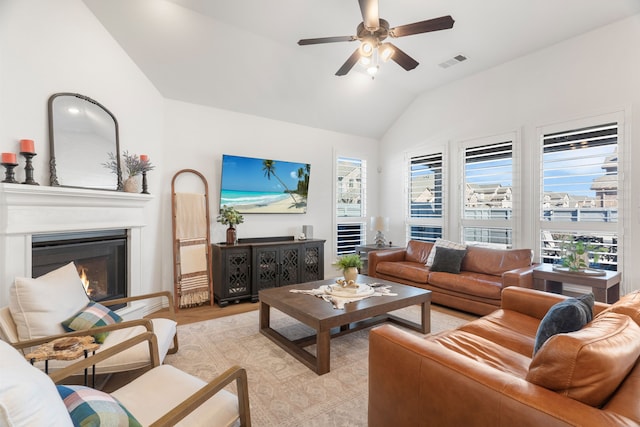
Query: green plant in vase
{"points": [[231, 217], [575, 254], [349, 264]]}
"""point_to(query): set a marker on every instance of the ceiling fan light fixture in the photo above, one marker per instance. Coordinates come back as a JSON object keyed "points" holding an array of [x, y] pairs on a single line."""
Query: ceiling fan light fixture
{"points": [[365, 61], [367, 46], [385, 52]]}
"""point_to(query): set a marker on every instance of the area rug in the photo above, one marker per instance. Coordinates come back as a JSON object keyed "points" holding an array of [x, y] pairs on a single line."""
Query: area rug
{"points": [[282, 391]]}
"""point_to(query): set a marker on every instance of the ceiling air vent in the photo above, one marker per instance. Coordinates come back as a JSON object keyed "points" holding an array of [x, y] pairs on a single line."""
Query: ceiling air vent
{"points": [[453, 61]]}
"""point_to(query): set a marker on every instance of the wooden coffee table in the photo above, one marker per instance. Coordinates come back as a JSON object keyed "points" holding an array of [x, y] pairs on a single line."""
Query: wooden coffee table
{"points": [[329, 322]]}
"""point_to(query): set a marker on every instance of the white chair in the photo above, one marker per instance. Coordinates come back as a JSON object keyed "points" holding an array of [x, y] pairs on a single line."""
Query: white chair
{"points": [[162, 396], [38, 306]]}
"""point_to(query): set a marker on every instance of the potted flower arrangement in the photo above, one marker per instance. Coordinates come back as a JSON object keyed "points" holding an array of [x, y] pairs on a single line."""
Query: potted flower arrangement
{"points": [[349, 264], [231, 217], [133, 166]]}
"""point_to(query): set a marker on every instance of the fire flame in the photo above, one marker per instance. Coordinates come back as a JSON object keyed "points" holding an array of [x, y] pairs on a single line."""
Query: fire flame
{"points": [[85, 281]]}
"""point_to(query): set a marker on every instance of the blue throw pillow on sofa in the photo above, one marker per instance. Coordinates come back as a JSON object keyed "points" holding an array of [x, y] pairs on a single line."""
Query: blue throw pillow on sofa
{"points": [[448, 260], [566, 316]]}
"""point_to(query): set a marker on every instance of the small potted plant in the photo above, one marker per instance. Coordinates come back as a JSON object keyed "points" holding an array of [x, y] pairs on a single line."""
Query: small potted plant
{"points": [[231, 217], [575, 254], [349, 264]]}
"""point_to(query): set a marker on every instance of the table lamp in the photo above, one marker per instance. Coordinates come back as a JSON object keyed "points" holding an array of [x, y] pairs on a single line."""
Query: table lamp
{"points": [[380, 224]]}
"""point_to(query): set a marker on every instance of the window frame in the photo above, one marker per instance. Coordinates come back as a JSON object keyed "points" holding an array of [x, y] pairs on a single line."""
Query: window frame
{"points": [[349, 220], [512, 225], [441, 222], [585, 227]]}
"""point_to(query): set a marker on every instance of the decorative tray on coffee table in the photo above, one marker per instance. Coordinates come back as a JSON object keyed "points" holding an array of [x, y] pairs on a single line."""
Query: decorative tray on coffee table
{"points": [[338, 290]]}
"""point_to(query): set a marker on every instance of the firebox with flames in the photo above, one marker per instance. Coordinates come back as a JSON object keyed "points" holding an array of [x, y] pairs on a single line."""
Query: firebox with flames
{"points": [[94, 278]]}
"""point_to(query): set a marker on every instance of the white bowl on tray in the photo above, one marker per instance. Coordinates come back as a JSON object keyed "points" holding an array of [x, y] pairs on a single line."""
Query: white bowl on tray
{"points": [[361, 290]]}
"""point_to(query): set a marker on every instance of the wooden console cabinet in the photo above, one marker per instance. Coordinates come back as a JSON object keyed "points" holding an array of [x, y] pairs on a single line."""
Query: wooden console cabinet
{"points": [[240, 271]]}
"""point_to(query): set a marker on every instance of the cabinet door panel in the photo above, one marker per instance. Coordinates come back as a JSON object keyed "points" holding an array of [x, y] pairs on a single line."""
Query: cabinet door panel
{"points": [[266, 268], [238, 277], [289, 266], [312, 267]]}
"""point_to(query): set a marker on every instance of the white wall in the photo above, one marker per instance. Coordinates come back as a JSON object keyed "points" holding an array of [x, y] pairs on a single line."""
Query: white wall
{"points": [[592, 74], [48, 47], [197, 136]]}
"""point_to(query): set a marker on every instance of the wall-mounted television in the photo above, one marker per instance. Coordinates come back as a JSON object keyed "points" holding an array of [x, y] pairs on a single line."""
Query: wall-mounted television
{"points": [[253, 185]]}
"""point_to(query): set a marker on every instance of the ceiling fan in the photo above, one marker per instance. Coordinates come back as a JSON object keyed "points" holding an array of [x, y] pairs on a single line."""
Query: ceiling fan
{"points": [[371, 33]]}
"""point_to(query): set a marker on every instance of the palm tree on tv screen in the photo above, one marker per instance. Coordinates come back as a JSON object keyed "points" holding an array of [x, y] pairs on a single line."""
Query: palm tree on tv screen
{"points": [[269, 168]]}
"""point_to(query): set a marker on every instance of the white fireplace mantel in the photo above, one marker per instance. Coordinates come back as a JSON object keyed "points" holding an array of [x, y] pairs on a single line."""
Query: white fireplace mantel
{"points": [[27, 210]]}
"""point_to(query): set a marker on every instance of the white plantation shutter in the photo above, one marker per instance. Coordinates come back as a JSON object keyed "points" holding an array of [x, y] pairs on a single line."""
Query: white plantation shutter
{"points": [[350, 204], [425, 184], [580, 190], [488, 194]]}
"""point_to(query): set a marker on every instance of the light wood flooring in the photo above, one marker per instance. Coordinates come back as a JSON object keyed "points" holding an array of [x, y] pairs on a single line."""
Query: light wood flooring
{"points": [[208, 312]]}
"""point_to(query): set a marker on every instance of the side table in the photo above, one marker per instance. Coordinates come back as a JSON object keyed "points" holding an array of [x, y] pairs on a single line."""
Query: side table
{"points": [[605, 288], [65, 349], [363, 251]]}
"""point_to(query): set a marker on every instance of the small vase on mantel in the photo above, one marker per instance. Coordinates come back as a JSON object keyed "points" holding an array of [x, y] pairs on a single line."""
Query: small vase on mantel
{"points": [[232, 235], [131, 185]]}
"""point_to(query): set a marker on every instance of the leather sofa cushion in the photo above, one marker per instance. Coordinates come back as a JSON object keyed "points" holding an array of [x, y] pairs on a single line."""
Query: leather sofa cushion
{"points": [[415, 272], [588, 365], [484, 351], [468, 283], [494, 261], [418, 251], [628, 304], [510, 329]]}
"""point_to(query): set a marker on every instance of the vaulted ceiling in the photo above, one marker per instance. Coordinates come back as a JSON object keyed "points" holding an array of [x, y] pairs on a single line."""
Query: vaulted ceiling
{"points": [[242, 55]]}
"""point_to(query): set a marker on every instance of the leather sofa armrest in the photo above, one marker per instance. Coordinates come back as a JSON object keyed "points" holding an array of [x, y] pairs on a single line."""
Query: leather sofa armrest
{"points": [[413, 381], [392, 255], [522, 277]]}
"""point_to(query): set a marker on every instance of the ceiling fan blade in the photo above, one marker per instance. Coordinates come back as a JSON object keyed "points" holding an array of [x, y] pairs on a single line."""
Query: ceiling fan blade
{"points": [[348, 65], [402, 59], [436, 24], [370, 14], [320, 40]]}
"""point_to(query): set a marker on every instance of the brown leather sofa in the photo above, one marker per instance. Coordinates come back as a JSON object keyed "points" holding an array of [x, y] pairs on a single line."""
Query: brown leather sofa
{"points": [[476, 289], [483, 373]]}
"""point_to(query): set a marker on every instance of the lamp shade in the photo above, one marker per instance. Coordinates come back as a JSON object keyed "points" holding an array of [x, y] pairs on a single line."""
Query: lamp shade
{"points": [[379, 223]]}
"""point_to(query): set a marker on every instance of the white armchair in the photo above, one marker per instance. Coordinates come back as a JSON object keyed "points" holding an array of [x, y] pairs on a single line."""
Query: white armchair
{"points": [[38, 306], [162, 396]]}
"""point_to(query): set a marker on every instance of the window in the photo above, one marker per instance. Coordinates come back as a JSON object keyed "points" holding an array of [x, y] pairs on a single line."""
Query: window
{"points": [[425, 196], [350, 204], [488, 193], [579, 192]]}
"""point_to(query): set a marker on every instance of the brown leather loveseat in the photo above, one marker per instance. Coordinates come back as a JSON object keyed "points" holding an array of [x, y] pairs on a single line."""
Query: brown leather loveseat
{"points": [[484, 272], [484, 374]]}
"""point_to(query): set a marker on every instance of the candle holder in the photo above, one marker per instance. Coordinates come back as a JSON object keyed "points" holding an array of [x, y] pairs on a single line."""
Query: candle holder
{"points": [[144, 182], [29, 168], [9, 175]]}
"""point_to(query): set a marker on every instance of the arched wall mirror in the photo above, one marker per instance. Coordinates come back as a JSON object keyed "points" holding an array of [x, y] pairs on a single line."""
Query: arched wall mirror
{"points": [[83, 137]]}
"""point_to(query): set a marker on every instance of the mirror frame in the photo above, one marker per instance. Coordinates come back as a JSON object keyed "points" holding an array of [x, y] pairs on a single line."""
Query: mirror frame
{"points": [[52, 159]]}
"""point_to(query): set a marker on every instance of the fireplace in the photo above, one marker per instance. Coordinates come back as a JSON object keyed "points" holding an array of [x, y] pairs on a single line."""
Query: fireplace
{"points": [[29, 212], [100, 257]]}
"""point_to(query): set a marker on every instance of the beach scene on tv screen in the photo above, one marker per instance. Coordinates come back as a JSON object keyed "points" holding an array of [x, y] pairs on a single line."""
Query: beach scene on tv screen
{"points": [[253, 185]]}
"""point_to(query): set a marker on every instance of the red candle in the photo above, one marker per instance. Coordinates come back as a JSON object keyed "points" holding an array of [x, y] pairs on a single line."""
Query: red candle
{"points": [[144, 158], [26, 146], [9, 158]]}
